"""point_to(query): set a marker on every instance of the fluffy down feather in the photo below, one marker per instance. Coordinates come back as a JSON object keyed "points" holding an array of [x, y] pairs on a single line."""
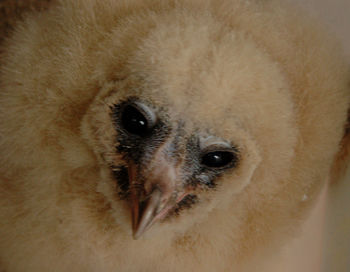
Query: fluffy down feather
{"points": [[255, 73]]}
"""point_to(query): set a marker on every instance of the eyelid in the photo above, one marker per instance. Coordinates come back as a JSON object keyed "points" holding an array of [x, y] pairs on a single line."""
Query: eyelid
{"points": [[214, 143], [148, 112]]}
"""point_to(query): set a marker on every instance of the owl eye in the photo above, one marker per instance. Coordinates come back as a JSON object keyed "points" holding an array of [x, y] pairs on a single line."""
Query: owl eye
{"points": [[219, 159], [137, 119]]}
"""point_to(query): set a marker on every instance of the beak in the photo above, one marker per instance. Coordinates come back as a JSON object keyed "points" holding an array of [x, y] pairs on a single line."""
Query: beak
{"points": [[152, 200], [145, 213]]}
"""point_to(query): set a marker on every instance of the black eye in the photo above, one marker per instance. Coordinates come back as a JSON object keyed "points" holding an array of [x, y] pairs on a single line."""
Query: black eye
{"points": [[219, 159], [137, 119]]}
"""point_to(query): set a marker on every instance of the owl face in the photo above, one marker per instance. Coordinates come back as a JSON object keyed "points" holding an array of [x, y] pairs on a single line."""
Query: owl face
{"points": [[167, 164], [160, 165], [168, 161], [182, 127]]}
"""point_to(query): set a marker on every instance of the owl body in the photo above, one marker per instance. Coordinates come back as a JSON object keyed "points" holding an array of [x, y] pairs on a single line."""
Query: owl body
{"points": [[253, 73]]}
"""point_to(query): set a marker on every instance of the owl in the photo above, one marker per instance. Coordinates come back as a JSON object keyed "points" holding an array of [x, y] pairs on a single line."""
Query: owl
{"points": [[173, 135]]}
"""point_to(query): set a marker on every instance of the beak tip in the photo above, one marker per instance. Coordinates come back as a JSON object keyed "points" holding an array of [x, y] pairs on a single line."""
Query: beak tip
{"points": [[137, 234], [144, 218]]}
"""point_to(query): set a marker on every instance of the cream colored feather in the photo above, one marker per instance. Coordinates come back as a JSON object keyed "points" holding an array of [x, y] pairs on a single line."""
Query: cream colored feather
{"points": [[255, 73]]}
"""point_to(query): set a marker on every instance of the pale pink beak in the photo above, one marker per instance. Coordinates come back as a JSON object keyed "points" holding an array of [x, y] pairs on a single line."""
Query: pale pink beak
{"points": [[152, 200]]}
